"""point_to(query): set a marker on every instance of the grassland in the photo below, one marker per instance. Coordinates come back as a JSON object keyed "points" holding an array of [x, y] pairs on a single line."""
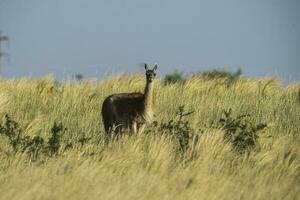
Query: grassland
{"points": [[148, 166]]}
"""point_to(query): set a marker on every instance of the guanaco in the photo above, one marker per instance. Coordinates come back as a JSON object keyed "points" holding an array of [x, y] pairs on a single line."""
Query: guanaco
{"points": [[129, 110]]}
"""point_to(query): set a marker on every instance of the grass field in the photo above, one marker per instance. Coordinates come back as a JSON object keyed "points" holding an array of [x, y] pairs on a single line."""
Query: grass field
{"points": [[149, 166]]}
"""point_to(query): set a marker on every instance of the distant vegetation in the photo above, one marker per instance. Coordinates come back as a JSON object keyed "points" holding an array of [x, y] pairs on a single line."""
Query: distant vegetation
{"points": [[178, 77], [216, 74], [208, 140], [175, 77]]}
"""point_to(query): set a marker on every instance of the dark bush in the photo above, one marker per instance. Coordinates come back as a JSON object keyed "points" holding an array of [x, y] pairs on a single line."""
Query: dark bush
{"points": [[224, 77], [11, 130], [239, 131], [217, 74], [175, 77], [54, 141], [33, 146], [178, 129]]}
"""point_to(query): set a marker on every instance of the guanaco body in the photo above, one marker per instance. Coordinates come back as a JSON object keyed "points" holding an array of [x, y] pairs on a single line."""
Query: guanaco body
{"points": [[129, 110]]}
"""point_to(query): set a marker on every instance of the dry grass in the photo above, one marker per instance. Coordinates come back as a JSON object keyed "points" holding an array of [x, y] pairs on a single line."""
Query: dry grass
{"points": [[147, 166]]}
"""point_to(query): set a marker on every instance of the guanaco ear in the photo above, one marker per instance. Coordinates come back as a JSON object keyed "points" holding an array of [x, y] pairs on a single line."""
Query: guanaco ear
{"points": [[146, 67], [155, 67]]}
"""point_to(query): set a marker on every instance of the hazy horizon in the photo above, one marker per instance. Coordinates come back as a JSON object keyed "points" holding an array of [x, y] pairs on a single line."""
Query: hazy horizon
{"points": [[96, 38]]}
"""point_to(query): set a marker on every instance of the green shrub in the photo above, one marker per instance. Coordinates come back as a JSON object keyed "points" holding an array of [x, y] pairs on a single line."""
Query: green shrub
{"points": [[34, 146], [239, 130], [11, 130], [54, 141], [178, 129]]}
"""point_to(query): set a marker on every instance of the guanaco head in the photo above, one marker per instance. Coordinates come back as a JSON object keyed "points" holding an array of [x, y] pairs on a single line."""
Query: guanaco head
{"points": [[150, 73]]}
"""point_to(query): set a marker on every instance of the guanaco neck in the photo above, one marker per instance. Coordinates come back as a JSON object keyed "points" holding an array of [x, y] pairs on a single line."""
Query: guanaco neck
{"points": [[148, 94]]}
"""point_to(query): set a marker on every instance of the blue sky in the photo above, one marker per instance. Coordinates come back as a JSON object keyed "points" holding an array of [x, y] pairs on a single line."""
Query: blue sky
{"points": [[99, 37]]}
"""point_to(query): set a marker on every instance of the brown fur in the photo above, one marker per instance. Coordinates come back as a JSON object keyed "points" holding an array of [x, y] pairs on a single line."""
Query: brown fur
{"points": [[129, 110]]}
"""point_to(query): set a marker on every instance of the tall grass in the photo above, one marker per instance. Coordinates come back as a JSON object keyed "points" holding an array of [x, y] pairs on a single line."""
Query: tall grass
{"points": [[148, 166]]}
